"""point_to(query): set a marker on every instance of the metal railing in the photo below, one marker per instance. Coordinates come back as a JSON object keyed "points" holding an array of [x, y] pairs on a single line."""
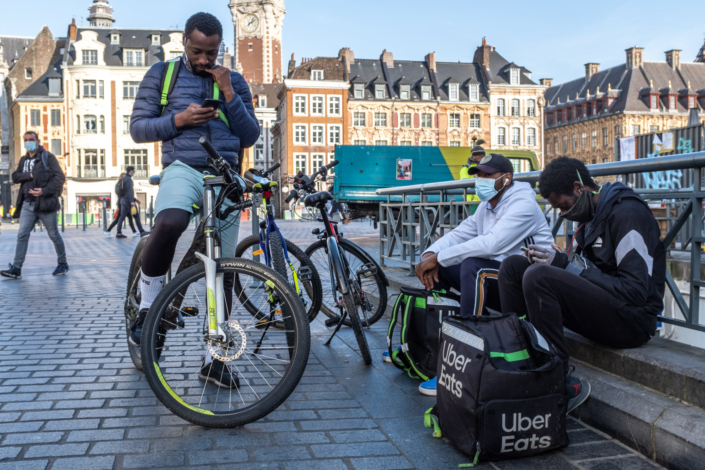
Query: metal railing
{"points": [[91, 171], [413, 217]]}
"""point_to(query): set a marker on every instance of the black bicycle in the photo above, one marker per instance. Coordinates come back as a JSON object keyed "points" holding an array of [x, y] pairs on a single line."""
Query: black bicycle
{"points": [[196, 325]]}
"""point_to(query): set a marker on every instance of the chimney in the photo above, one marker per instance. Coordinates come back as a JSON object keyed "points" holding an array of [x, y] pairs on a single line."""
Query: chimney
{"points": [[388, 58], [673, 57], [347, 56], [227, 59], [591, 68], [635, 56], [546, 82], [430, 60], [72, 30], [292, 66], [482, 55]]}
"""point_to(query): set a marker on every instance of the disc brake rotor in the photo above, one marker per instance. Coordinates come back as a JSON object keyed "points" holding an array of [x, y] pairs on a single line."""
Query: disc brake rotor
{"points": [[234, 345]]}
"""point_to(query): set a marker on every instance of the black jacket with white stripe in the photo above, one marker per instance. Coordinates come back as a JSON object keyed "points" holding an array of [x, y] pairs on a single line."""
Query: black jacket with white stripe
{"points": [[623, 241]]}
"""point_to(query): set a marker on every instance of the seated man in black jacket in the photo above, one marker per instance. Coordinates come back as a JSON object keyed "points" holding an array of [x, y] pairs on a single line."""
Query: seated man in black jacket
{"points": [[612, 291]]}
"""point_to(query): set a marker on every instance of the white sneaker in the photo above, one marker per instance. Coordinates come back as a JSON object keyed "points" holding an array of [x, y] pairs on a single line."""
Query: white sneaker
{"points": [[107, 234]]}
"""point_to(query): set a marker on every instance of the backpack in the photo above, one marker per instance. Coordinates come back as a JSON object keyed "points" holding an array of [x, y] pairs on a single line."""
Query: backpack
{"points": [[120, 188], [420, 314], [501, 389]]}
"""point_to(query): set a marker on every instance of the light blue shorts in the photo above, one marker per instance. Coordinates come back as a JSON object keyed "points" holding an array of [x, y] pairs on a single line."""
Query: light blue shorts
{"points": [[181, 187]]}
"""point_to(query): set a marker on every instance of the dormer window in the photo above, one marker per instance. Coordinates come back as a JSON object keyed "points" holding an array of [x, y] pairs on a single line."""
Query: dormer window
{"points": [[89, 57], [317, 75], [262, 102], [156, 40], [133, 58], [359, 90], [28, 73], [514, 76], [474, 92], [405, 92], [672, 102], [54, 86], [114, 38], [426, 92], [453, 92], [380, 92], [691, 102], [654, 101]]}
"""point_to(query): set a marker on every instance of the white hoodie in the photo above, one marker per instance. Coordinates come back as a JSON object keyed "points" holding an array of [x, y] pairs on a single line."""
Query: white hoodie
{"points": [[499, 232]]}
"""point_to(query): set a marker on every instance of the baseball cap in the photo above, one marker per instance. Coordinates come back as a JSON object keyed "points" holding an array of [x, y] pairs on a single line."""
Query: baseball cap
{"points": [[478, 149], [493, 163]]}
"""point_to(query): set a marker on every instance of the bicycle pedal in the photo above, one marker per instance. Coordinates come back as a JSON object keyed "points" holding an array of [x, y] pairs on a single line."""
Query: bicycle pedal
{"points": [[305, 273], [189, 311], [367, 270], [332, 321]]}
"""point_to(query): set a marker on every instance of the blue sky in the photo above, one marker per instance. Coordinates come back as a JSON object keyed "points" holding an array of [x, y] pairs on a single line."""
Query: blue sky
{"points": [[551, 38]]}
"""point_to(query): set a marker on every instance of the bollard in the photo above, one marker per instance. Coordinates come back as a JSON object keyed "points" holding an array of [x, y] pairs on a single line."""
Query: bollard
{"points": [[84, 217], [40, 226], [105, 218], [63, 216]]}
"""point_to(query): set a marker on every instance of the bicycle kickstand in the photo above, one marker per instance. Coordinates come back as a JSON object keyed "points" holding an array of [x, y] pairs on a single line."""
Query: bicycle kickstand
{"points": [[337, 327], [264, 333]]}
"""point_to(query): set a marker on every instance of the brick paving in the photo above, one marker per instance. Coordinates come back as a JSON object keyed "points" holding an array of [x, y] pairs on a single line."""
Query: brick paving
{"points": [[71, 399]]}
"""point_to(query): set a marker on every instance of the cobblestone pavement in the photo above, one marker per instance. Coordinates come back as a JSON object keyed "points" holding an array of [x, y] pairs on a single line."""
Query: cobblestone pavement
{"points": [[71, 399]]}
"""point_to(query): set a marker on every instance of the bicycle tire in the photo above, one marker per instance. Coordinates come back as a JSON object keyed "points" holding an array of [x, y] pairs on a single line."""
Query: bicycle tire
{"points": [[293, 318], [351, 250], [132, 299], [313, 288]]}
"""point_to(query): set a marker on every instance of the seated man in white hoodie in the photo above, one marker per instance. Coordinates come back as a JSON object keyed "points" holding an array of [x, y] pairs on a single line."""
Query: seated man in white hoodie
{"points": [[468, 258]]}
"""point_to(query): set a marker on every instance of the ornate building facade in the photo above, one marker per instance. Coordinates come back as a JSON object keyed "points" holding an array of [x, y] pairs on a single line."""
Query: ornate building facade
{"points": [[585, 117]]}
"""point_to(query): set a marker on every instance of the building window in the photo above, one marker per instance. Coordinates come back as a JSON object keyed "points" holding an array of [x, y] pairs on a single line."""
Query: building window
{"points": [[359, 142], [300, 163], [156, 40], [605, 137], [583, 141], [129, 90], [126, 124], [565, 145], [299, 105], [379, 92], [574, 143], [516, 108], [317, 106], [175, 55], [455, 143], [300, 135], [28, 73], [334, 135], [90, 124], [531, 137], [55, 118], [358, 119], [474, 92], [405, 120], [405, 92], [454, 121], [426, 92], [514, 76], [501, 136], [593, 140], [636, 129], [654, 101], [531, 108], [380, 142], [317, 161], [56, 147], [405, 143], [78, 89], [89, 57], [102, 124], [261, 128], [101, 89], [380, 119], [453, 94], [114, 39], [555, 146], [516, 136], [334, 105], [691, 102], [617, 132], [426, 143], [78, 124], [359, 91], [89, 89], [426, 120], [317, 75], [317, 135], [653, 129], [500, 107], [134, 58], [54, 86], [34, 118], [262, 101], [671, 102], [474, 121]]}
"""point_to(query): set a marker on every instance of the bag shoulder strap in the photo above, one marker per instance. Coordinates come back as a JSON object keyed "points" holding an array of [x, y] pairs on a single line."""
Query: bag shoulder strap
{"points": [[216, 96], [396, 313], [171, 71], [45, 159]]}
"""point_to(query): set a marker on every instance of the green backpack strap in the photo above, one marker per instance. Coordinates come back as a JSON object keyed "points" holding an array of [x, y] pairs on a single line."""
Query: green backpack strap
{"points": [[396, 314], [171, 71], [430, 420], [216, 96]]}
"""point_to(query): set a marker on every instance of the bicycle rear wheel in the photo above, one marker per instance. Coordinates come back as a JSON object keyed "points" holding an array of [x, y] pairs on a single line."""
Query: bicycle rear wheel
{"points": [[179, 373]]}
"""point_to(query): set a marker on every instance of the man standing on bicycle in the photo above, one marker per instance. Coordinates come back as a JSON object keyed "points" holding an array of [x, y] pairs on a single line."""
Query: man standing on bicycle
{"points": [[179, 125]]}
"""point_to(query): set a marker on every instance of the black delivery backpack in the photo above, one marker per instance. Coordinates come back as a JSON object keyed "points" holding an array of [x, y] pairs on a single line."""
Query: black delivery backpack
{"points": [[501, 389], [420, 314]]}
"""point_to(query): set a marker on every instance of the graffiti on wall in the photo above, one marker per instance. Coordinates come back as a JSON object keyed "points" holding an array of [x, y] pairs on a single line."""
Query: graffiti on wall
{"points": [[670, 179]]}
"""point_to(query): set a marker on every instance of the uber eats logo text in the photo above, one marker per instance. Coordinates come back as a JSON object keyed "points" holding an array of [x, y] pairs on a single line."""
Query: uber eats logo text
{"points": [[518, 423], [454, 361]]}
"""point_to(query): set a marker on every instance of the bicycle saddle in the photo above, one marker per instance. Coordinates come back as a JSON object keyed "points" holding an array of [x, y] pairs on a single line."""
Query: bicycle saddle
{"points": [[255, 181], [154, 180], [314, 200]]}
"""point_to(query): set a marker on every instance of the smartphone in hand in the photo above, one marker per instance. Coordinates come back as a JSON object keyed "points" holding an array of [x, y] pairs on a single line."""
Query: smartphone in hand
{"points": [[211, 103]]}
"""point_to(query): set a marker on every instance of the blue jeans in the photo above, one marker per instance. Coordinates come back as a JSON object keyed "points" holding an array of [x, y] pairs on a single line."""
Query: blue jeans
{"points": [[28, 217], [476, 280]]}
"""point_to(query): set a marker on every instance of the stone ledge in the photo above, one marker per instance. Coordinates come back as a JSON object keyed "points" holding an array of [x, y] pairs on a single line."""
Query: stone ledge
{"points": [[661, 428]]}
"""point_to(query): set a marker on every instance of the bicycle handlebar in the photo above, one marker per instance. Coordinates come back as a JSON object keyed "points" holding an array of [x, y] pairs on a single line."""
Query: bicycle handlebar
{"points": [[209, 148], [272, 169], [293, 195]]}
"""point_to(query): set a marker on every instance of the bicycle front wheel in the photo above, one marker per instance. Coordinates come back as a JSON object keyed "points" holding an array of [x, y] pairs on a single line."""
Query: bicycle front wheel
{"points": [[133, 298], [235, 381]]}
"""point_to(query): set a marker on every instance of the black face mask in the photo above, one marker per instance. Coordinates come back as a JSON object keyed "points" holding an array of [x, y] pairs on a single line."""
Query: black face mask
{"points": [[584, 208]]}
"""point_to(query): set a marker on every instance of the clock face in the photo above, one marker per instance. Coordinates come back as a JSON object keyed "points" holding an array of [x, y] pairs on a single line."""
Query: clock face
{"points": [[250, 23]]}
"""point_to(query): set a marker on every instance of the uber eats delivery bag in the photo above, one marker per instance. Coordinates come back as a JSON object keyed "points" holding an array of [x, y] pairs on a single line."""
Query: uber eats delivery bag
{"points": [[501, 389], [420, 314]]}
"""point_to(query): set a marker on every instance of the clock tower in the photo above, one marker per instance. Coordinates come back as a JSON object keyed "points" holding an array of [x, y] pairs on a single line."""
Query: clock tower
{"points": [[258, 39]]}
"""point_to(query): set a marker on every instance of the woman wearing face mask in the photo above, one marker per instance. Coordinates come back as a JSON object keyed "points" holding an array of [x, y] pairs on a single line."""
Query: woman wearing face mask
{"points": [[468, 258]]}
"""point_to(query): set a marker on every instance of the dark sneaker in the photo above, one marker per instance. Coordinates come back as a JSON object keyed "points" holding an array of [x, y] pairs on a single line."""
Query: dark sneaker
{"points": [[218, 373], [61, 270], [12, 273], [578, 391], [136, 334], [144, 234], [120, 235]]}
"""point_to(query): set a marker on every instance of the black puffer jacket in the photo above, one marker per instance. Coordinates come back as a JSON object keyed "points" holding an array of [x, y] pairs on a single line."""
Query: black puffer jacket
{"points": [[49, 178], [623, 242]]}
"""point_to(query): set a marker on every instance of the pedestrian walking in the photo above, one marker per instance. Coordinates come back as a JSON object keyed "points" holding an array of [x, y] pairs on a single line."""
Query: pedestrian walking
{"points": [[127, 202], [12, 214], [42, 182], [118, 189]]}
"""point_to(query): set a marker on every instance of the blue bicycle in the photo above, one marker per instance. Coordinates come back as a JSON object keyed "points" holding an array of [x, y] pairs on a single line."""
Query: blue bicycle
{"points": [[279, 254]]}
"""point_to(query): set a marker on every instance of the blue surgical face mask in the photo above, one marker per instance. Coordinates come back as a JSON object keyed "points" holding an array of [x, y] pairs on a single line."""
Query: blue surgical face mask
{"points": [[31, 146], [484, 188]]}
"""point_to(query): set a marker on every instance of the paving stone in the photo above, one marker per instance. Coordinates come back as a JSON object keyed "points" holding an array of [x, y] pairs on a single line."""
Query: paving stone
{"points": [[150, 433], [120, 447], [353, 450], [161, 460], [9, 452], [71, 425], [9, 428], [56, 450], [625, 463], [47, 415], [218, 457], [316, 465], [96, 435], [284, 438], [291, 415], [329, 425], [367, 435], [242, 439], [27, 465], [103, 413], [33, 438], [129, 422], [592, 451], [282, 453], [183, 443], [381, 463], [84, 463]]}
